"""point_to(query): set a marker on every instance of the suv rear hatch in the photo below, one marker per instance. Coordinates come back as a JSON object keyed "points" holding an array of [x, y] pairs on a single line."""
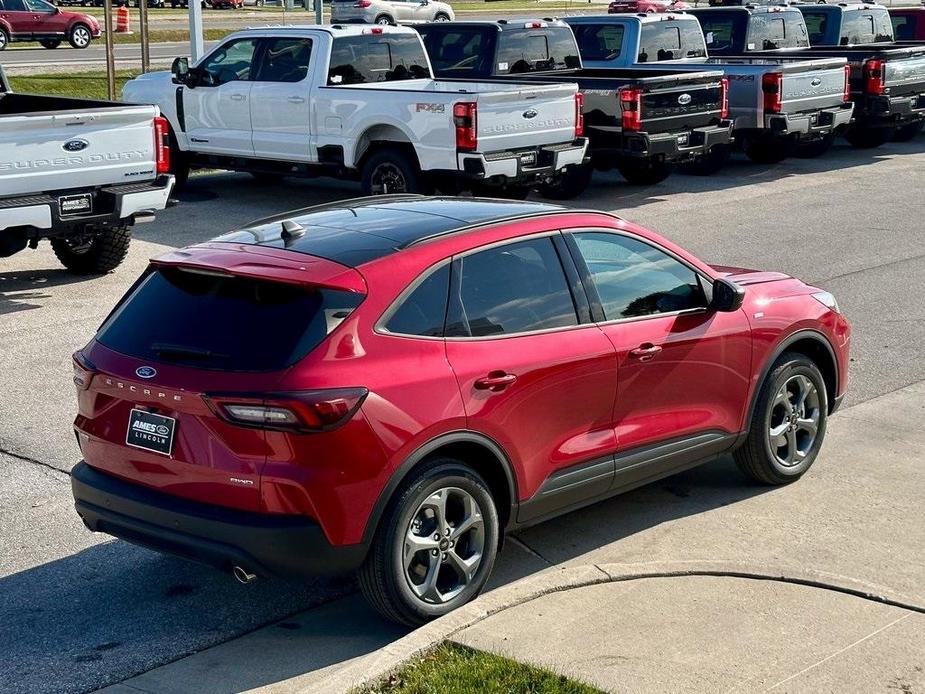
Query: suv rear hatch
{"points": [[200, 326]]}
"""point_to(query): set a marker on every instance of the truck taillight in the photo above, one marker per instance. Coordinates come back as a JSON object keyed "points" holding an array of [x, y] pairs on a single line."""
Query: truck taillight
{"points": [[874, 82], [771, 85], [161, 145], [301, 412], [579, 114], [631, 106], [465, 118], [846, 95], [724, 99]]}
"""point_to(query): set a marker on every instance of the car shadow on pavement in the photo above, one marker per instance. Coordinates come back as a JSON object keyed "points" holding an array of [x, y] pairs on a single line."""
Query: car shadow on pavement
{"points": [[24, 290], [114, 610]]}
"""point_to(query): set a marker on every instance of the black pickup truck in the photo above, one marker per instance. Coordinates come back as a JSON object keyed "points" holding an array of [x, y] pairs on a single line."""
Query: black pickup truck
{"points": [[887, 80], [639, 122]]}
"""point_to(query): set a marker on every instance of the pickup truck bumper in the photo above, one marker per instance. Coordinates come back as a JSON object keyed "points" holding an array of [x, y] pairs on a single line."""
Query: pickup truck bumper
{"points": [[523, 165], [889, 111], [810, 125], [680, 145], [46, 215]]}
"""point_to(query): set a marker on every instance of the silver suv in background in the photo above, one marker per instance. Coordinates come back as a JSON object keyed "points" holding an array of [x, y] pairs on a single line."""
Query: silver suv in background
{"points": [[390, 11]]}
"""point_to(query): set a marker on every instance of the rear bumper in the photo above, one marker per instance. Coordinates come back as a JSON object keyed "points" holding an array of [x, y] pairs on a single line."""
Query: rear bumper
{"points": [[811, 124], [510, 166], [889, 111], [262, 543], [679, 145], [40, 215]]}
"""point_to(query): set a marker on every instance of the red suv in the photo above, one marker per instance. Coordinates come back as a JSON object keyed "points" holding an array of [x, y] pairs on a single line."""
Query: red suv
{"points": [[37, 20], [392, 383], [647, 6]]}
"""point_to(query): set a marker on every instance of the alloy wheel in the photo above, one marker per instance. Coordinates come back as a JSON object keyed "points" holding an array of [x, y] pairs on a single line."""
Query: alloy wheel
{"points": [[387, 179], [443, 545], [794, 420], [81, 37]]}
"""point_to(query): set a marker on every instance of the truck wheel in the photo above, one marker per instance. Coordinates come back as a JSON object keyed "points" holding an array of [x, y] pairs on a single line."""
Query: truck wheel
{"points": [[435, 547], [709, 163], [644, 172], [904, 133], [788, 423], [50, 43], [815, 148], [868, 138], [571, 184], [4, 39], [770, 150], [441, 17], [93, 253], [384, 19], [80, 36], [392, 171]]}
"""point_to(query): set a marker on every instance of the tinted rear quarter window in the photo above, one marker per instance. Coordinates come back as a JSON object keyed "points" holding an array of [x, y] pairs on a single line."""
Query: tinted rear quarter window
{"points": [[532, 50], [459, 52], [220, 322], [423, 311], [599, 41], [367, 59], [515, 288]]}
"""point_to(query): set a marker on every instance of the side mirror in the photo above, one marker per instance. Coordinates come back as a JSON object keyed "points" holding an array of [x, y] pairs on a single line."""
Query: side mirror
{"points": [[727, 296], [180, 70]]}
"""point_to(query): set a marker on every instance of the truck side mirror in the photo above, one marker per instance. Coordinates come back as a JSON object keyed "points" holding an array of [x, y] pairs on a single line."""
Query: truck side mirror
{"points": [[180, 70], [727, 296]]}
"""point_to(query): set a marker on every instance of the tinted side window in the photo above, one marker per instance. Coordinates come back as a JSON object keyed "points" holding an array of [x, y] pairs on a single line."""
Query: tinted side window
{"points": [[534, 50], [515, 288], [231, 62], [14, 5], [458, 52], [903, 27], [599, 41], [365, 59], [285, 60], [635, 279], [817, 24], [424, 310]]}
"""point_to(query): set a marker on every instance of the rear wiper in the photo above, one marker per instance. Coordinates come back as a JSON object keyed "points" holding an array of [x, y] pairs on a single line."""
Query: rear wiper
{"points": [[164, 349]]}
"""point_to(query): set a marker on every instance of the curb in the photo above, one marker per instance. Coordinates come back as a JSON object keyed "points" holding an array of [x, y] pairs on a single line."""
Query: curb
{"points": [[368, 670]]}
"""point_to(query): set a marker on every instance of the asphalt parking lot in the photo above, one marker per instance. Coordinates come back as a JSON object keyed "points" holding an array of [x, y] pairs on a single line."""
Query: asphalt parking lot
{"points": [[80, 611]]}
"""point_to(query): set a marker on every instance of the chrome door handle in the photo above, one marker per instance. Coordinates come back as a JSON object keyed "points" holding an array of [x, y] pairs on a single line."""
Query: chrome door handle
{"points": [[237, 97], [296, 100], [645, 351]]}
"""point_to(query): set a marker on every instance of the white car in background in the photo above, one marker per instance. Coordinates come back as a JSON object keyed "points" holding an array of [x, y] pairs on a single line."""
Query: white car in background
{"points": [[390, 11]]}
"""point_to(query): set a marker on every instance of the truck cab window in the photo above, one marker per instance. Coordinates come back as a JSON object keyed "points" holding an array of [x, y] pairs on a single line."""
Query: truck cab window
{"points": [[230, 62], [366, 59], [285, 60], [817, 24], [533, 50], [767, 32], [599, 41], [661, 41], [458, 52]]}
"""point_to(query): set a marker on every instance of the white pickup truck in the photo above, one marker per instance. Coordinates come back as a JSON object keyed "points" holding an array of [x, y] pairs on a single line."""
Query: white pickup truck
{"points": [[361, 102], [80, 173]]}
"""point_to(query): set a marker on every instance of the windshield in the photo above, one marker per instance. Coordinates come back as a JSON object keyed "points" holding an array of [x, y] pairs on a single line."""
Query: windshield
{"points": [[536, 50]]}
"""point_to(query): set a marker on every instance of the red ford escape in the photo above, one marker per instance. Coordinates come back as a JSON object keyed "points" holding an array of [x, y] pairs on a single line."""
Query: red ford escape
{"points": [[390, 384]]}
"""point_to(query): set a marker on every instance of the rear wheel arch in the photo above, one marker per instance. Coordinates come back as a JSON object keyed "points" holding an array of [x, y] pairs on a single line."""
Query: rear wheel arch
{"points": [[379, 137], [471, 448]]}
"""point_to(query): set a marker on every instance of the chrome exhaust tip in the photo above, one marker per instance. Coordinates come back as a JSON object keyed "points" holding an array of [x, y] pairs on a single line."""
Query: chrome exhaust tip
{"points": [[243, 575]]}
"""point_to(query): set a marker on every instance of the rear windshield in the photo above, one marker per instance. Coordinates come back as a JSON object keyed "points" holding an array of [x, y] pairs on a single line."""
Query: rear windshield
{"points": [[904, 27], [599, 41], [536, 50], [220, 322], [723, 30], [463, 52], [772, 30], [377, 58], [669, 40]]}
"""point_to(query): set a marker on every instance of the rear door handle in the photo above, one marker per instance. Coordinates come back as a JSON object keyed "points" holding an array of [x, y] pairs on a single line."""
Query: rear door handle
{"points": [[237, 97], [296, 100], [645, 351], [495, 381]]}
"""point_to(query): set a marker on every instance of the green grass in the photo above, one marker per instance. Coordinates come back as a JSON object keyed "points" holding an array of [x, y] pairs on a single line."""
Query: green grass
{"points": [[453, 669], [87, 85]]}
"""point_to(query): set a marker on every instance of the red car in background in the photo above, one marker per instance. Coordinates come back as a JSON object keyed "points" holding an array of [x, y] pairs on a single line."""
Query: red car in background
{"points": [[647, 6], [37, 20], [908, 23]]}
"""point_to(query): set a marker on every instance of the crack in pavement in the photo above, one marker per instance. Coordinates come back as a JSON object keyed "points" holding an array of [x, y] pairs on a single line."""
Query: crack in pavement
{"points": [[40, 463]]}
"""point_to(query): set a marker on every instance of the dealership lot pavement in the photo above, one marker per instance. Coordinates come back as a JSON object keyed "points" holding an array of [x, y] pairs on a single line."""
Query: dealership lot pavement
{"points": [[80, 611]]}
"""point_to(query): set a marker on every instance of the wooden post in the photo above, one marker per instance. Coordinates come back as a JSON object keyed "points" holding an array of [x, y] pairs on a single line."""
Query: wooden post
{"points": [[110, 52]]}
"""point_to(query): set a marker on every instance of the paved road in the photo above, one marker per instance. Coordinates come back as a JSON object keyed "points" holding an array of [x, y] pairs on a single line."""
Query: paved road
{"points": [[95, 55], [79, 611]]}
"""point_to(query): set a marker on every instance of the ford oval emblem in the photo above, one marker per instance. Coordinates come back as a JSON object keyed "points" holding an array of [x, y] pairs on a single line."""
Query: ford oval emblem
{"points": [[530, 113], [146, 372], [684, 99], [76, 145], [816, 82]]}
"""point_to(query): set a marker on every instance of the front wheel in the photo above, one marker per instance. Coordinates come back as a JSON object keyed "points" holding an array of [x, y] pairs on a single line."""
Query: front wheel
{"points": [[441, 17], [391, 171], [50, 43], [80, 36], [788, 423], [904, 133], [435, 547], [4, 38], [644, 172], [868, 138], [570, 184], [95, 252], [384, 20]]}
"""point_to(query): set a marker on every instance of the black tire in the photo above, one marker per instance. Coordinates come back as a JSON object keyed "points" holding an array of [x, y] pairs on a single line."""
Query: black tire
{"points": [[756, 457], [392, 170], [814, 148], [569, 185], [98, 255], [644, 172], [868, 138], [441, 17], [4, 39], [709, 163], [767, 150], [904, 133], [382, 577], [384, 20], [50, 43], [80, 36]]}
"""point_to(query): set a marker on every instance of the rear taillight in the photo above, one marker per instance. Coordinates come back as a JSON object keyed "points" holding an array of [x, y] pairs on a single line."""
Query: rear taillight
{"points": [[846, 96], [301, 412], [83, 372], [874, 82], [724, 98], [465, 118], [771, 83], [631, 107], [362, 3], [579, 114], [161, 145]]}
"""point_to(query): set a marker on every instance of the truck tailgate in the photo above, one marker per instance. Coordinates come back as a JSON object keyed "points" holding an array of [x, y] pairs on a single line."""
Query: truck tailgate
{"points": [[44, 151], [810, 86], [680, 104], [905, 74]]}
